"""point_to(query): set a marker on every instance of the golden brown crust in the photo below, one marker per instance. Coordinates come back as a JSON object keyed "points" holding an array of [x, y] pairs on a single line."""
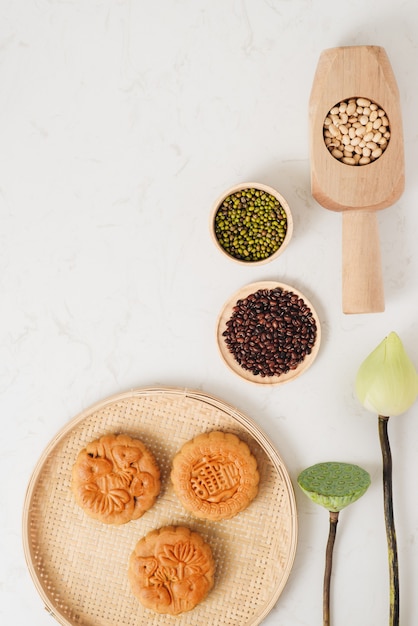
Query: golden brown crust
{"points": [[171, 570], [215, 475], [115, 479]]}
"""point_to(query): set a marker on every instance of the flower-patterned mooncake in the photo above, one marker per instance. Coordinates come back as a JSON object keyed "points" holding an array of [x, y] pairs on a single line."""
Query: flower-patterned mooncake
{"points": [[115, 479], [171, 570]]}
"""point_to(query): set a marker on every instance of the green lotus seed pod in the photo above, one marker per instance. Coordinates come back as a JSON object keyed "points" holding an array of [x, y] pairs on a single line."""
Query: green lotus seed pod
{"points": [[334, 485]]}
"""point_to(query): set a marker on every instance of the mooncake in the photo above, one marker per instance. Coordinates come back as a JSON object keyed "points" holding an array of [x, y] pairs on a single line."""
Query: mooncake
{"points": [[115, 479], [171, 570], [215, 475]]}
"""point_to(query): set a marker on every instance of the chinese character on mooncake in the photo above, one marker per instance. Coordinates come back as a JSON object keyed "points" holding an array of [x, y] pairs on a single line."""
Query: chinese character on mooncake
{"points": [[215, 475]]}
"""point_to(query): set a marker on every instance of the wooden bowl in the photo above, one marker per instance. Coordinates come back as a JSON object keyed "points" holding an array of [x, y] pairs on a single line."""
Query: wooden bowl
{"points": [[266, 189], [230, 360]]}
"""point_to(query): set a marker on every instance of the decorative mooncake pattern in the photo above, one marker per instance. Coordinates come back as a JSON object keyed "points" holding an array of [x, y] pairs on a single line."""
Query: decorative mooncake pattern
{"points": [[171, 570], [115, 479], [215, 475]]}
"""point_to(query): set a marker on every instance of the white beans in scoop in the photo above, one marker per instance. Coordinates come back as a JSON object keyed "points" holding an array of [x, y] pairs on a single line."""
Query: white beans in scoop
{"points": [[356, 131]]}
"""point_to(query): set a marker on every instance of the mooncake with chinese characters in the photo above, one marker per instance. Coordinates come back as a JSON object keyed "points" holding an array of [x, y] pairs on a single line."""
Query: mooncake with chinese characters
{"points": [[215, 475]]}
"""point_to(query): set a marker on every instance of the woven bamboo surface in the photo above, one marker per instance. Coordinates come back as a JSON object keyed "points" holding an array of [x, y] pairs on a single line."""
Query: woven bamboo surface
{"points": [[79, 565]]}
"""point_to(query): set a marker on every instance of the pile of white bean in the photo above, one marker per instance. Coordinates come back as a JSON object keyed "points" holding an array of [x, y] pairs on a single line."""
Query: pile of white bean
{"points": [[356, 131]]}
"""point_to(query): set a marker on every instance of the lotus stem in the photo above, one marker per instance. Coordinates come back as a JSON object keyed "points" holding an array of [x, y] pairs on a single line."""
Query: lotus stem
{"points": [[333, 521], [389, 521]]}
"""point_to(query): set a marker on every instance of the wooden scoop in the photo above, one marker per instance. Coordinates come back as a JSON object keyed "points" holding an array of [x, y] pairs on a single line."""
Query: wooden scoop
{"points": [[357, 190]]}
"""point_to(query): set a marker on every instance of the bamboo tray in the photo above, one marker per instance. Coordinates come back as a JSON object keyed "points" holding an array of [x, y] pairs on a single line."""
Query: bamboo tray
{"points": [[79, 566]]}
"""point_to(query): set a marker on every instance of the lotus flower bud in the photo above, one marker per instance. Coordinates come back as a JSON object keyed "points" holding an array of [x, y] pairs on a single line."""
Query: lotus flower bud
{"points": [[387, 381]]}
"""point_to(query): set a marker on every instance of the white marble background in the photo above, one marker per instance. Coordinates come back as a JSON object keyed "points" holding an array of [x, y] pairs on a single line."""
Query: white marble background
{"points": [[121, 121]]}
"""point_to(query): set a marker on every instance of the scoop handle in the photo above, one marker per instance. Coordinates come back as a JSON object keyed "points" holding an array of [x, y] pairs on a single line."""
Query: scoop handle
{"points": [[362, 283]]}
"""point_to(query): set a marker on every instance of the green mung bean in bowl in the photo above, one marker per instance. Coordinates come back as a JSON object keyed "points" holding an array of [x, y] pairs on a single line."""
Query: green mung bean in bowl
{"points": [[251, 223]]}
